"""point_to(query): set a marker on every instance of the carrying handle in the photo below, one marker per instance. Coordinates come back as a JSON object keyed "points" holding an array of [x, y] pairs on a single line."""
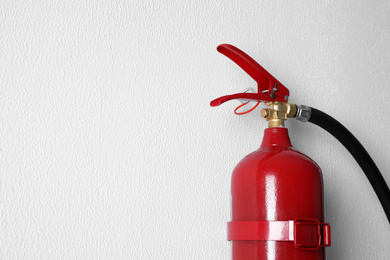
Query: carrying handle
{"points": [[269, 89]]}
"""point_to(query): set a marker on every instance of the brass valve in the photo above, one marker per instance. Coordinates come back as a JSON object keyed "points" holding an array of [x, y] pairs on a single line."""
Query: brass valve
{"points": [[278, 113]]}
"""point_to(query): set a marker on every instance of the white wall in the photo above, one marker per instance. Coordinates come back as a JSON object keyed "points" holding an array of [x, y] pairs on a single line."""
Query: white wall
{"points": [[109, 149]]}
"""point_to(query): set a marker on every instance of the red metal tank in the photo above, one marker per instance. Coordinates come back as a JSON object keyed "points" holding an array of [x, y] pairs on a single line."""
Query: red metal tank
{"points": [[277, 204]]}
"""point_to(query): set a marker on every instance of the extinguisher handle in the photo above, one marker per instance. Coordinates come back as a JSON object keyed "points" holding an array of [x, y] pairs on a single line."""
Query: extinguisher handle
{"points": [[269, 89]]}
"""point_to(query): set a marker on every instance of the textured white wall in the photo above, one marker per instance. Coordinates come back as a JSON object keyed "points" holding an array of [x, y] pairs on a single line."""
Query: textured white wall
{"points": [[109, 149]]}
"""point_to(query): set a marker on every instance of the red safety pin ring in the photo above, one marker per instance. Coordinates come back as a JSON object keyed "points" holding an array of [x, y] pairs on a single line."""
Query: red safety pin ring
{"points": [[248, 111]]}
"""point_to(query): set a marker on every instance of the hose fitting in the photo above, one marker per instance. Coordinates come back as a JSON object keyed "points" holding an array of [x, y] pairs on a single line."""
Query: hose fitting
{"points": [[303, 113]]}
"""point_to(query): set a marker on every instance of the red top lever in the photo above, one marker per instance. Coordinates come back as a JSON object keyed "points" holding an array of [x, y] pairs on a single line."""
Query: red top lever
{"points": [[269, 89]]}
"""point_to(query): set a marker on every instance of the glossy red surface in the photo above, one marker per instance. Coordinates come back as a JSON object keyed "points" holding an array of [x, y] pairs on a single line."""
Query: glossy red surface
{"points": [[278, 183], [261, 230]]}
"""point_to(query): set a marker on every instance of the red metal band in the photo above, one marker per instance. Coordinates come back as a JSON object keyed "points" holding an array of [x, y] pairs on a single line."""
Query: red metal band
{"points": [[306, 233], [261, 230]]}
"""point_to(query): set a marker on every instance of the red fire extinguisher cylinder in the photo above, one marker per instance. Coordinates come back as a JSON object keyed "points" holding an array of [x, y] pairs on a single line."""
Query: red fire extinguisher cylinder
{"points": [[277, 203]]}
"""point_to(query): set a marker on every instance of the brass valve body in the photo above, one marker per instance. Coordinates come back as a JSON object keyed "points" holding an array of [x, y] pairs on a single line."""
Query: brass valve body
{"points": [[278, 113]]}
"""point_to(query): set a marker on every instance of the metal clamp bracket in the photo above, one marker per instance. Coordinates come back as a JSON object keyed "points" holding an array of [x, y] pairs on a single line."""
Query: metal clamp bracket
{"points": [[310, 234]]}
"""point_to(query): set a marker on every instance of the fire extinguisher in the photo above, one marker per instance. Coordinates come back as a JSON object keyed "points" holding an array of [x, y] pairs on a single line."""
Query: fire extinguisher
{"points": [[277, 192]]}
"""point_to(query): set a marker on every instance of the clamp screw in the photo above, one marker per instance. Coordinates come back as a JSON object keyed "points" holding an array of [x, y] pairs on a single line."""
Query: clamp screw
{"points": [[275, 88]]}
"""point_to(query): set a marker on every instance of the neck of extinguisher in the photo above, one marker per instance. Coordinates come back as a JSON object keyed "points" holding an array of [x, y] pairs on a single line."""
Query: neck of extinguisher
{"points": [[276, 136]]}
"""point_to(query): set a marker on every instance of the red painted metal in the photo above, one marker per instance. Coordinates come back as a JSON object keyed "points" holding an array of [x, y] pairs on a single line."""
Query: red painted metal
{"points": [[265, 81], [306, 233], [261, 230], [278, 183]]}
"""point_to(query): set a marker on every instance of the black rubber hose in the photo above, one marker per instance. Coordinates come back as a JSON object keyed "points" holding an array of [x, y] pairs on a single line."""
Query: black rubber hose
{"points": [[358, 152]]}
